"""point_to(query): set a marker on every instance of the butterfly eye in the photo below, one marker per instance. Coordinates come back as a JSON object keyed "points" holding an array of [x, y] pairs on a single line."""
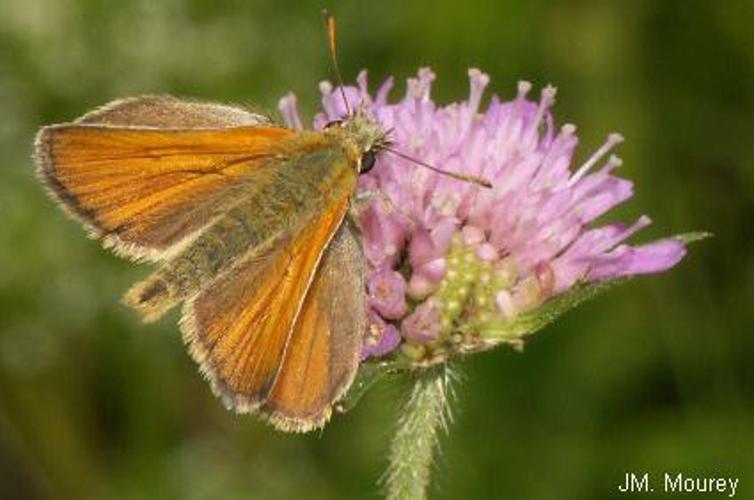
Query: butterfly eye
{"points": [[334, 123], [367, 162]]}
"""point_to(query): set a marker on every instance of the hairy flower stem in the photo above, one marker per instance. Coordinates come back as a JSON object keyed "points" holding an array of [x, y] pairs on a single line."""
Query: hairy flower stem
{"points": [[424, 415]]}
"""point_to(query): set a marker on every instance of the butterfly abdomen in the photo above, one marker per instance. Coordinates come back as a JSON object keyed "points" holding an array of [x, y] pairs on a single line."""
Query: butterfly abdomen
{"points": [[152, 297], [209, 255]]}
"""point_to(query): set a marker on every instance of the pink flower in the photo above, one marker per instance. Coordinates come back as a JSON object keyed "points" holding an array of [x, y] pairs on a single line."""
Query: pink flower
{"points": [[380, 338], [385, 235], [423, 325], [475, 254], [387, 293]]}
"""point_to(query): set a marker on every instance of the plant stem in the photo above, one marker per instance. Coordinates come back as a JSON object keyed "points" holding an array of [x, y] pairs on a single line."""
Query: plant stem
{"points": [[424, 415]]}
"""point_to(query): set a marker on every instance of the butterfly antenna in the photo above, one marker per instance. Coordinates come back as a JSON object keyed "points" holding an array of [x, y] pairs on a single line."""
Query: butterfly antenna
{"points": [[330, 23], [474, 179]]}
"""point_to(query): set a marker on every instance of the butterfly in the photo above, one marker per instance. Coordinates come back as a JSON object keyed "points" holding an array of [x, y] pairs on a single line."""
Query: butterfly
{"points": [[250, 224]]}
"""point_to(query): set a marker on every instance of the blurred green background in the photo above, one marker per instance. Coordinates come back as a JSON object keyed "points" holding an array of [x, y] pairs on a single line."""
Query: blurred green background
{"points": [[656, 376]]}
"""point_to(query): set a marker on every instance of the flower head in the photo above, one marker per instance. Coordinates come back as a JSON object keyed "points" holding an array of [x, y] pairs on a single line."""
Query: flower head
{"points": [[447, 257]]}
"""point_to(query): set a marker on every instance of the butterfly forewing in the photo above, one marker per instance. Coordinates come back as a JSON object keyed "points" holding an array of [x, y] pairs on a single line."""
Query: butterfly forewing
{"points": [[323, 352], [144, 189]]}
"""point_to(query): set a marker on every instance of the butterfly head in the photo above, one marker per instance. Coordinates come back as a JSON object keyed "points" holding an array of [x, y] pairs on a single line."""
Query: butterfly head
{"points": [[364, 136]]}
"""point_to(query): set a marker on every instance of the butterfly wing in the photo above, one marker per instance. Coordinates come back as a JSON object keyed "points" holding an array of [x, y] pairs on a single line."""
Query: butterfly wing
{"points": [[275, 333], [323, 352], [158, 111], [147, 174]]}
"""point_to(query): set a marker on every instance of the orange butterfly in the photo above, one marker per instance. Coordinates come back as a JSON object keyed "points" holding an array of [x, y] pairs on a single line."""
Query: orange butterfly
{"points": [[248, 223]]}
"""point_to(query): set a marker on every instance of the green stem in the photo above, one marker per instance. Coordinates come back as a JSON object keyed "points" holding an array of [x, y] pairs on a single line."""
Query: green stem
{"points": [[425, 414]]}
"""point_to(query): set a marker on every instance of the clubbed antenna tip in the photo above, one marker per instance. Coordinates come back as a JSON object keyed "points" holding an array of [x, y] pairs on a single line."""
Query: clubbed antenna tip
{"points": [[332, 46]]}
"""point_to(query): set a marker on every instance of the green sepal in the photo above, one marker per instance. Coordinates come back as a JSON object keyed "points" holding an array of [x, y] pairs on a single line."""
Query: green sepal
{"points": [[692, 236], [369, 373], [528, 323]]}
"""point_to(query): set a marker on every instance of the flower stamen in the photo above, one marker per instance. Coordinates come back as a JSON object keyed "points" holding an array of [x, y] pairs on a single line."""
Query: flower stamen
{"points": [[612, 140]]}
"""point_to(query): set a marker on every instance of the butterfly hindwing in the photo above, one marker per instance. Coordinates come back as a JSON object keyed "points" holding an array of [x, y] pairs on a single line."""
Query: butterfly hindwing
{"points": [[167, 112]]}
